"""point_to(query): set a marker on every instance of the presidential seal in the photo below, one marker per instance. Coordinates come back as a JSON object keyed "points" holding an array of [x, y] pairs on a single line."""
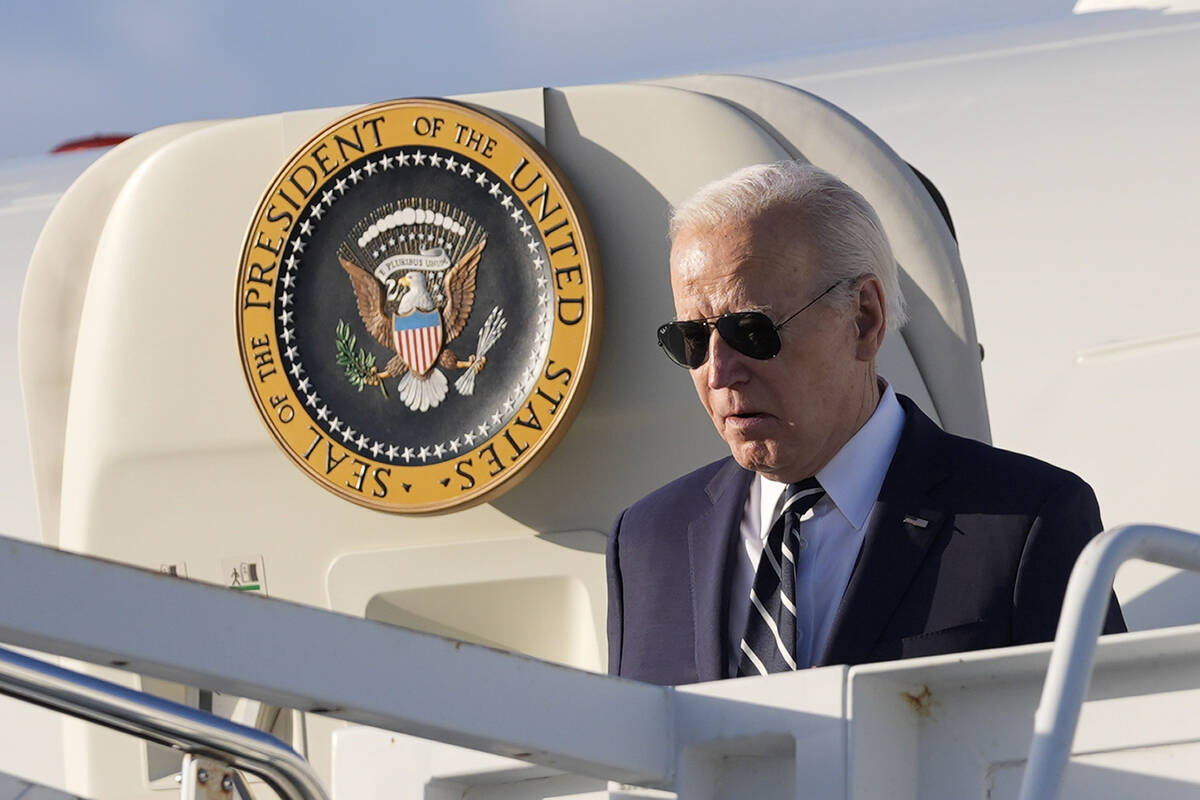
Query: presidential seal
{"points": [[418, 306]]}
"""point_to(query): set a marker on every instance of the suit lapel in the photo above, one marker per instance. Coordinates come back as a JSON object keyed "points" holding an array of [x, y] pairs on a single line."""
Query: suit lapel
{"points": [[904, 525], [711, 536]]}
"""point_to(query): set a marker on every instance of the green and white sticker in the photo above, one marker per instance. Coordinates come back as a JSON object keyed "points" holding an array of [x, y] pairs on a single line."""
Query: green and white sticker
{"points": [[245, 574]]}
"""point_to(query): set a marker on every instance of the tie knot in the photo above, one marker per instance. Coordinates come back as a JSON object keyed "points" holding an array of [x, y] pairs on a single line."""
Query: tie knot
{"points": [[800, 487], [800, 497]]}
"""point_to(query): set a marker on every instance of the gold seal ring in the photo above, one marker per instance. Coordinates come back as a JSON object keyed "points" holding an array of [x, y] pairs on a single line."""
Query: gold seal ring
{"points": [[418, 306]]}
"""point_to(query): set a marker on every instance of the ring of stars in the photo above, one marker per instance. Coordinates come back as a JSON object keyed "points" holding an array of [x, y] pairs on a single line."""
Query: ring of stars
{"points": [[467, 439]]}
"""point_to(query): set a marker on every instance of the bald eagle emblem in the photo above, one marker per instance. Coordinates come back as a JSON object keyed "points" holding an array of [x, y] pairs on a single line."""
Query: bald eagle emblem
{"points": [[417, 297]]}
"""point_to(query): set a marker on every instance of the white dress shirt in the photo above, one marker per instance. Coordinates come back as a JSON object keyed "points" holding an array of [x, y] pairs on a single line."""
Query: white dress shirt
{"points": [[831, 534]]}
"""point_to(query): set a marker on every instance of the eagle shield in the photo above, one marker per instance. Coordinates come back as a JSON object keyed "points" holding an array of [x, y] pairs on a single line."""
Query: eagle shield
{"points": [[418, 338]]}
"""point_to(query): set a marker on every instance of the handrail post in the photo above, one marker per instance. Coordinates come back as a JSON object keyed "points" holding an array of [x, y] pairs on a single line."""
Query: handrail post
{"points": [[1079, 627]]}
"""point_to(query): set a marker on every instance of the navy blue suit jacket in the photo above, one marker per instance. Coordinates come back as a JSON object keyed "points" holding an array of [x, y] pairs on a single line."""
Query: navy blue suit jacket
{"points": [[988, 570]]}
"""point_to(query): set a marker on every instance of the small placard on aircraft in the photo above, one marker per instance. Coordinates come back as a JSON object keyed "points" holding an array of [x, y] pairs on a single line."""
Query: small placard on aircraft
{"points": [[245, 573]]}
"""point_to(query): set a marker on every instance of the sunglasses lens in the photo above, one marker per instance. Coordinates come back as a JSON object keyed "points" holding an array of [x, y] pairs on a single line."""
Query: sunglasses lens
{"points": [[750, 333], [685, 342]]}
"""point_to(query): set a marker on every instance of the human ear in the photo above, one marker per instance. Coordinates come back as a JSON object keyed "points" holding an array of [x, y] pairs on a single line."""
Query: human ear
{"points": [[870, 318]]}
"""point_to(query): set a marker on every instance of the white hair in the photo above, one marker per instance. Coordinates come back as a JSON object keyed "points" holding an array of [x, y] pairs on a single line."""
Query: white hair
{"points": [[838, 220]]}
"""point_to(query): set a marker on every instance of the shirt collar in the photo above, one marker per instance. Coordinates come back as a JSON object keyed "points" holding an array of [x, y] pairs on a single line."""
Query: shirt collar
{"points": [[853, 477]]}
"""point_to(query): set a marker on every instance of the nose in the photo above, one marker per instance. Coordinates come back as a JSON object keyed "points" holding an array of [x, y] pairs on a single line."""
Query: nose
{"points": [[726, 367]]}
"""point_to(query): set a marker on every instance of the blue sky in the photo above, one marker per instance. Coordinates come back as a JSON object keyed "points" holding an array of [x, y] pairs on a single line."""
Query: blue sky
{"points": [[71, 69]]}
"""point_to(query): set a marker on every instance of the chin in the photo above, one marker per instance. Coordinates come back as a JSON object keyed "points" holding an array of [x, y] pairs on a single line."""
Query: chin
{"points": [[754, 456]]}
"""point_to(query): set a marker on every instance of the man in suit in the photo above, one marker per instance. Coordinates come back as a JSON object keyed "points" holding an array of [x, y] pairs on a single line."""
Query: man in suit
{"points": [[845, 527]]}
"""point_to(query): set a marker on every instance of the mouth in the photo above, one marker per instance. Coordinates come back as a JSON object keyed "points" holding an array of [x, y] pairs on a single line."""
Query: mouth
{"points": [[745, 420]]}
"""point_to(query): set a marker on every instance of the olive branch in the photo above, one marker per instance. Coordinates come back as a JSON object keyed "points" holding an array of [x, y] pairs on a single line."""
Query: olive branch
{"points": [[359, 366]]}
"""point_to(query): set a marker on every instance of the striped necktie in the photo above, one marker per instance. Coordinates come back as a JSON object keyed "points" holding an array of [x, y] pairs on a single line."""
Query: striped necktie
{"points": [[769, 644]]}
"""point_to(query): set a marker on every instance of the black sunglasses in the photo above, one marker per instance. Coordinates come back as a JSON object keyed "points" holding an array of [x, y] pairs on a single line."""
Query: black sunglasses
{"points": [[751, 333]]}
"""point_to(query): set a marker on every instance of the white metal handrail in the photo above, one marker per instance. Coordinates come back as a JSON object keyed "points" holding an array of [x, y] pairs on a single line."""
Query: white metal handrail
{"points": [[388, 677], [161, 721], [1079, 626]]}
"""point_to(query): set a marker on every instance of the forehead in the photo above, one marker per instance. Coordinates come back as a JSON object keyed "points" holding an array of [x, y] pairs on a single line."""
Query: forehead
{"points": [[772, 254]]}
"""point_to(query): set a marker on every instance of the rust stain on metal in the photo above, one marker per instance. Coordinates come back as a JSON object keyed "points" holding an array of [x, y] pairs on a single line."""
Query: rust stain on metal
{"points": [[920, 701], [213, 779]]}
